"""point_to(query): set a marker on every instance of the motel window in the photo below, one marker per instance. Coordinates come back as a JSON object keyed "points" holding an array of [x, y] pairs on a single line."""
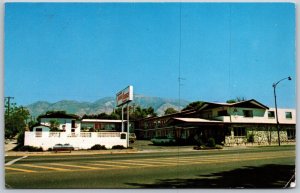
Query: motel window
{"points": [[38, 132], [291, 133], [73, 124], [38, 129], [222, 113], [271, 114], [228, 131], [239, 131], [288, 115], [248, 113]]}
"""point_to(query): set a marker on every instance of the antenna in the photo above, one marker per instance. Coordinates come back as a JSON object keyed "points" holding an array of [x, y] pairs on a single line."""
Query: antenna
{"points": [[179, 62]]}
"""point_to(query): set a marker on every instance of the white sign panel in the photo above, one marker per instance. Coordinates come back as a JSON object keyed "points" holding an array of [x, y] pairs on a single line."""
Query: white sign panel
{"points": [[125, 96]]}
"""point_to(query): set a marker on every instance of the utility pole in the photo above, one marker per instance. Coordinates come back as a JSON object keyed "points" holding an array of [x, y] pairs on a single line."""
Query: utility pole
{"points": [[8, 103]]}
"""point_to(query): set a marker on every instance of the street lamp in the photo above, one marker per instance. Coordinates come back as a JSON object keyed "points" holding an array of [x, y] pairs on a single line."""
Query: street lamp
{"points": [[277, 122]]}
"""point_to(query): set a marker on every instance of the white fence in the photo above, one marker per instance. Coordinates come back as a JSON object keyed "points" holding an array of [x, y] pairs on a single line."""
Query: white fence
{"points": [[83, 140]]}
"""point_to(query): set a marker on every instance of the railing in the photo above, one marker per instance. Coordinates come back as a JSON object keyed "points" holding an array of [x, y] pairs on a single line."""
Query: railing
{"points": [[85, 134], [54, 134], [38, 134], [74, 135], [108, 134]]}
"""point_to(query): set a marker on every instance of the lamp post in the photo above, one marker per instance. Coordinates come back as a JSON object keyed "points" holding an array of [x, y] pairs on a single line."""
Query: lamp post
{"points": [[277, 122]]}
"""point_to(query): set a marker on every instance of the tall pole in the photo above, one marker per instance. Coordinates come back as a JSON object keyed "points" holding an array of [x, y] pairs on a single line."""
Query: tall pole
{"points": [[277, 122], [8, 103], [122, 118], [127, 124]]}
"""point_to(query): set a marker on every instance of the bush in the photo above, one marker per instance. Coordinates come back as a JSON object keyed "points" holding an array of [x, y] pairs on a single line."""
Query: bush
{"points": [[49, 149], [211, 142], [118, 147], [219, 147], [250, 138], [28, 148], [98, 147], [20, 139]]}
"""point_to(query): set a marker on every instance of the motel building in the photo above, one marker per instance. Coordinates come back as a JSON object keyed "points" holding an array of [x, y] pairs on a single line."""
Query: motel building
{"points": [[229, 124], [81, 134]]}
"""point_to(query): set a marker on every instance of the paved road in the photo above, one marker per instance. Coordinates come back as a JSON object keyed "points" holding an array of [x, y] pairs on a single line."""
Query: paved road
{"points": [[252, 167]]}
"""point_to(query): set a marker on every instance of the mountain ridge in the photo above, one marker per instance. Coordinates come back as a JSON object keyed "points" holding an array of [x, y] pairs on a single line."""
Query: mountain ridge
{"points": [[103, 105]]}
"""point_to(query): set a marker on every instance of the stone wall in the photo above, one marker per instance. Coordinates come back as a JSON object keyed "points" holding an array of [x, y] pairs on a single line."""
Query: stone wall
{"points": [[262, 135]]}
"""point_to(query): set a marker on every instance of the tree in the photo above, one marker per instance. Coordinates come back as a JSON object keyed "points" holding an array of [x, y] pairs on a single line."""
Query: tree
{"points": [[170, 110], [15, 120], [237, 99], [194, 105], [54, 125]]}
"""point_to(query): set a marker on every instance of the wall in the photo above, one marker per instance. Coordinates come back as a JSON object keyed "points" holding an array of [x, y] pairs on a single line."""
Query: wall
{"points": [[262, 136], [84, 140]]}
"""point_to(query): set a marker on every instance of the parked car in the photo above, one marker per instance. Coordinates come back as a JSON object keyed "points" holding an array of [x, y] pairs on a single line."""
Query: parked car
{"points": [[63, 147], [132, 137]]}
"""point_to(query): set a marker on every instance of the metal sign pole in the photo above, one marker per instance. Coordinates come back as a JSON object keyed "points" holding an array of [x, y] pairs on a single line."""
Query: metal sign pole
{"points": [[127, 124], [122, 118]]}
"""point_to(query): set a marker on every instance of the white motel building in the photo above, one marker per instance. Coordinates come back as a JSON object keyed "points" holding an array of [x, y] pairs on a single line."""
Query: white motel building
{"points": [[230, 124]]}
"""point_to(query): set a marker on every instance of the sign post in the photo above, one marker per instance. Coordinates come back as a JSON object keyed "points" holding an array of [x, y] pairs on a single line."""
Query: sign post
{"points": [[123, 97]]}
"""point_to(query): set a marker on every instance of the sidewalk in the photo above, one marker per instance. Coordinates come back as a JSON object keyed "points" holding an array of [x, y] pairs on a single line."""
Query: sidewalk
{"points": [[142, 146]]}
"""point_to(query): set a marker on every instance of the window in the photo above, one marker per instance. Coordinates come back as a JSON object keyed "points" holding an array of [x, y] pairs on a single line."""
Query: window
{"points": [[288, 115], [73, 124], [248, 113], [271, 114], [222, 113], [228, 131], [38, 129], [291, 133], [239, 131], [38, 132]]}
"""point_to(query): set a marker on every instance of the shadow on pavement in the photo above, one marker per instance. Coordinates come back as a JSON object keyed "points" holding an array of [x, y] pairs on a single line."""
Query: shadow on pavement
{"points": [[266, 176]]}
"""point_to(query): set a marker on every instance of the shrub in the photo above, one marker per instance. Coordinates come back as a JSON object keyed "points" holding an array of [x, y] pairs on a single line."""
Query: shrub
{"points": [[98, 147], [219, 147], [250, 138], [20, 139], [118, 147], [49, 149], [199, 142], [211, 142], [30, 149]]}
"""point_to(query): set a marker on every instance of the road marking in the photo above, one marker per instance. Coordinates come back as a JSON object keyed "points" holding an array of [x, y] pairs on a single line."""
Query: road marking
{"points": [[150, 162], [75, 166], [15, 160], [18, 169], [45, 167], [110, 165], [134, 163]]}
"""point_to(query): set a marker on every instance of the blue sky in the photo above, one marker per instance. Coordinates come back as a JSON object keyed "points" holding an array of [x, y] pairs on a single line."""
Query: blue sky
{"points": [[76, 51]]}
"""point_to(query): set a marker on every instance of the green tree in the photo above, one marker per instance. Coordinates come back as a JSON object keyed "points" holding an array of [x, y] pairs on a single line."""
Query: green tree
{"points": [[237, 99], [194, 105], [15, 120], [54, 125], [170, 110]]}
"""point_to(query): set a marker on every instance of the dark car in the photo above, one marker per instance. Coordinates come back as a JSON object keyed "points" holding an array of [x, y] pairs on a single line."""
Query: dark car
{"points": [[63, 147]]}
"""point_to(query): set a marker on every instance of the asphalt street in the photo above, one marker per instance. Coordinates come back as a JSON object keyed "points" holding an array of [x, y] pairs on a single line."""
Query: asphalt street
{"points": [[260, 167]]}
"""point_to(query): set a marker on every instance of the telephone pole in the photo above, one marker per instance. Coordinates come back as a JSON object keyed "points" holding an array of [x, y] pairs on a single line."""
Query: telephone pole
{"points": [[8, 103]]}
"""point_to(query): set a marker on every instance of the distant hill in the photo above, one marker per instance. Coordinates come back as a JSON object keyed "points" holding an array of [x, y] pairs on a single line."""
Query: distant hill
{"points": [[106, 104]]}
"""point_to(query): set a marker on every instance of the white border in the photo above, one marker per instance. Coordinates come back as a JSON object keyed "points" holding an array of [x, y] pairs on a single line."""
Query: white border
{"points": [[2, 189]]}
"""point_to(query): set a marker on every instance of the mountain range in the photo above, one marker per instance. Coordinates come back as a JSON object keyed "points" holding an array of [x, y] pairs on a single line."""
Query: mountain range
{"points": [[103, 105]]}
